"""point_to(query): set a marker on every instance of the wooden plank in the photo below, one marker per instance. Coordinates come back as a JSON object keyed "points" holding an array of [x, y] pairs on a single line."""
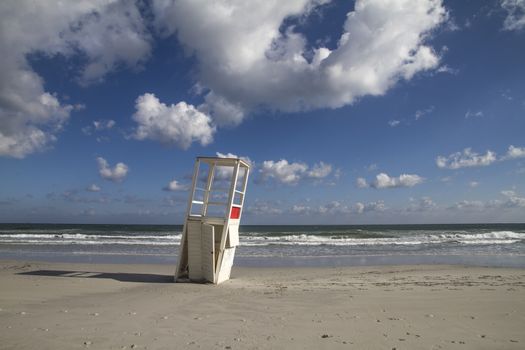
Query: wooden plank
{"points": [[233, 236], [183, 249], [195, 250], [226, 265], [208, 252]]}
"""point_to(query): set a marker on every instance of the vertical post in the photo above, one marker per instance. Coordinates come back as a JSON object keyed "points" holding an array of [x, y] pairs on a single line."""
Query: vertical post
{"points": [[227, 218], [245, 183], [207, 189], [183, 239]]}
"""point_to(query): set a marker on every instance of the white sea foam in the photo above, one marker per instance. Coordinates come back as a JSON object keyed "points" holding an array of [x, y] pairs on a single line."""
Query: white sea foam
{"points": [[497, 237], [88, 239], [258, 239]]}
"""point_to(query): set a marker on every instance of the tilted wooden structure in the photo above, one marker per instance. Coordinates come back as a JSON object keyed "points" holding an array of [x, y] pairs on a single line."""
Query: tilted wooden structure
{"points": [[211, 229]]}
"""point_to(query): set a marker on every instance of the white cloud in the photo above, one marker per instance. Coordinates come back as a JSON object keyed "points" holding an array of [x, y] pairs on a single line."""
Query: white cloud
{"points": [[99, 125], [249, 57], [107, 34], [319, 171], [394, 123], [330, 208], [301, 209], [466, 204], [404, 180], [282, 171], [225, 113], [514, 152], [371, 167], [448, 69], [515, 19], [179, 124], [333, 207], [360, 182], [361, 208], [465, 159], [231, 155], [93, 188], [338, 208], [506, 94], [471, 114], [104, 124], [264, 208], [423, 204], [117, 174], [422, 112], [473, 184], [291, 173], [223, 173], [174, 185], [511, 201], [88, 212]]}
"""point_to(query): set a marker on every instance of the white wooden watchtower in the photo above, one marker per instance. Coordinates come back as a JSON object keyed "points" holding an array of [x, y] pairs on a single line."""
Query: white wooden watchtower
{"points": [[211, 230]]}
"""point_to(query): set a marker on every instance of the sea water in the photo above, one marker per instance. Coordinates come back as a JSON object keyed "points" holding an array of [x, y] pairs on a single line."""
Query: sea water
{"points": [[474, 244]]}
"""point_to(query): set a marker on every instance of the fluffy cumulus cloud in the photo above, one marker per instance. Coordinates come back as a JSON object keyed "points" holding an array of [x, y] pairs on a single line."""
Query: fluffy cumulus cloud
{"points": [[106, 33], [515, 19], [249, 55], [93, 188], [404, 180], [225, 173], [421, 204], [465, 159], [511, 200], [231, 155], [468, 158], [291, 173], [330, 208], [361, 208], [383, 180], [115, 174], [360, 182], [319, 171], [338, 208], [180, 124], [515, 152], [174, 185], [282, 171]]}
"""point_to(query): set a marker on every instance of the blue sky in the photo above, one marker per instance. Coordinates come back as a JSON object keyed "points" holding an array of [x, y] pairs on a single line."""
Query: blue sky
{"points": [[350, 113]]}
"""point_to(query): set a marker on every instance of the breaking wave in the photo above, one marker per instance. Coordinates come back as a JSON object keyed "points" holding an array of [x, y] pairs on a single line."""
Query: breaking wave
{"points": [[254, 239]]}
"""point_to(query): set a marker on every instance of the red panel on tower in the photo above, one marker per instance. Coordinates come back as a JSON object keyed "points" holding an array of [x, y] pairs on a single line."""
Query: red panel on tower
{"points": [[235, 213]]}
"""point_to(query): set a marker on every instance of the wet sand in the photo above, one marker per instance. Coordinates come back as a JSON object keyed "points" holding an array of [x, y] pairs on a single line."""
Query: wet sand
{"points": [[115, 306]]}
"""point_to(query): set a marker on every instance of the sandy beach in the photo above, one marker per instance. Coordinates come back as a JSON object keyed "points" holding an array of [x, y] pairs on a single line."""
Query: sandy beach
{"points": [[67, 306]]}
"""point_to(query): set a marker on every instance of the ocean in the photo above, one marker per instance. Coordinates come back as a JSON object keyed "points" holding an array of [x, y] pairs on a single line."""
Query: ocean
{"points": [[269, 246]]}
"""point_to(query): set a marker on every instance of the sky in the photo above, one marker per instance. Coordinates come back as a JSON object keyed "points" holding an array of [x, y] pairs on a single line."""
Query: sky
{"points": [[365, 112]]}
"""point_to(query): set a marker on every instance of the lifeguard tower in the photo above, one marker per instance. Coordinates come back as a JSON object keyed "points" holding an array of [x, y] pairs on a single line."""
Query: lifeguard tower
{"points": [[211, 230]]}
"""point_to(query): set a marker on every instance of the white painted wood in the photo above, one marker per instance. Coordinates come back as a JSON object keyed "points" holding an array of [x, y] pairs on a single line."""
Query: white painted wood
{"points": [[230, 203], [210, 236], [226, 265], [195, 251], [183, 256], [233, 236], [208, 252]]}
